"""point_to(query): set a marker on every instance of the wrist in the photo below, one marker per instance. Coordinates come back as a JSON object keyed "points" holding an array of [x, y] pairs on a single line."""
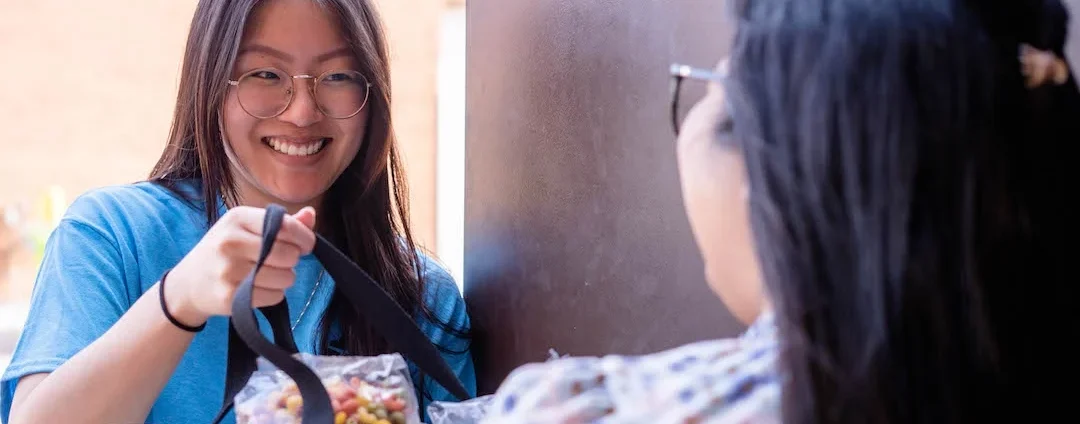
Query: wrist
{"points": [[176, 307]]}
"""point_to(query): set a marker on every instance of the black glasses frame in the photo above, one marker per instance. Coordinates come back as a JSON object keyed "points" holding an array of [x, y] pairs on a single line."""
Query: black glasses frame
{"points": [[680, 72]]}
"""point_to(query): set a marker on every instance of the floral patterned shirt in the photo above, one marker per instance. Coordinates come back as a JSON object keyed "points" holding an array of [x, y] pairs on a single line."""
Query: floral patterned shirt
{"points": [[719, 381]]}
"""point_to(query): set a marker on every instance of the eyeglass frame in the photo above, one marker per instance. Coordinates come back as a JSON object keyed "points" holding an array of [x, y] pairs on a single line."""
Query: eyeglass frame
{"points": [[314, 88], [680, 72]]}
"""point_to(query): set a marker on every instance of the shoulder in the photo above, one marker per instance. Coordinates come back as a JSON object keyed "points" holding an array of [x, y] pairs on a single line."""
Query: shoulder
{"points": [[738, 375], [143, 227], [111, 243], [439, 284], [446, 323], [126, 205], [730, 378], [442, 296], [441, 291]]}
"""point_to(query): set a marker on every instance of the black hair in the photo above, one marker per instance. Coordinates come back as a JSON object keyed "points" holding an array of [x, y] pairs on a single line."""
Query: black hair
{"points": [[906, 199]]}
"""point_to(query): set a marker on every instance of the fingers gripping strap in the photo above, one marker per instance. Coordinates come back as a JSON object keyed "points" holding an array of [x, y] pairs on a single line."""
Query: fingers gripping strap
{"points": [[393, 322], [317, 407]]}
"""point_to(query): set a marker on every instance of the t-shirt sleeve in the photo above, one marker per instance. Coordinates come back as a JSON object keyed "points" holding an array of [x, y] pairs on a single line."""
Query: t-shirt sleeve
{"points": [[80, 291], [452, 336]]}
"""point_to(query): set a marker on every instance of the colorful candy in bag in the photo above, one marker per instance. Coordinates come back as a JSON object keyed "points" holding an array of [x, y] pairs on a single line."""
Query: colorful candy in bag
{"points": [[363, 390]]}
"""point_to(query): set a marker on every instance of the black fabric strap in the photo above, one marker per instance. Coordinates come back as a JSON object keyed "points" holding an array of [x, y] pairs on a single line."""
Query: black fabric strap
{"points": [[240, 364], [278, 316], [317, 408], [246, 342], [239, 367], [389, 319]]}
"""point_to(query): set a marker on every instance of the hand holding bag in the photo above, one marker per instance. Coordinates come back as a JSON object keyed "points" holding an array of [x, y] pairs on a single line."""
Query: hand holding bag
{"points": [[394, 323]]}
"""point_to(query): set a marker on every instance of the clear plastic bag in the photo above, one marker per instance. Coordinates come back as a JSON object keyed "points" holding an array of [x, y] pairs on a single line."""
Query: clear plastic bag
{"points": [[471, 411], [363, 390]]}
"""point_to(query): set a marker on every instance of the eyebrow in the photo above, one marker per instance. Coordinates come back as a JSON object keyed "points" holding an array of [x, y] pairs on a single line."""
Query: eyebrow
{"points": [[259, 48]]}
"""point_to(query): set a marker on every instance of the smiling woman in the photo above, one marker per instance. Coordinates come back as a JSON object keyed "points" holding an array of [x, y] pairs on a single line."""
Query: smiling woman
{"points": [[280, 101], [297, 155]]}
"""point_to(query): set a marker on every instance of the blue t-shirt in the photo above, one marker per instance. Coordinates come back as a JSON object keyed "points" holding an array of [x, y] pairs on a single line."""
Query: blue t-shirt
{"points": [[114, 243]]}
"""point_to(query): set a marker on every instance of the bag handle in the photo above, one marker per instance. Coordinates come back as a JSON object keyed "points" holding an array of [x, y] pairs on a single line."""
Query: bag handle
{"points": [[386, 316], [317, 407]]}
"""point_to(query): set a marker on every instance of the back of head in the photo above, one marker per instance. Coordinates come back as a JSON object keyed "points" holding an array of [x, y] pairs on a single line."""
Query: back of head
{"points": [[906, 205]]}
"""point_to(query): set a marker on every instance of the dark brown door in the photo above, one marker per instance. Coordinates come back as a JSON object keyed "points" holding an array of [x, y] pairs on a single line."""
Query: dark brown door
{"points": [[576, 239]]}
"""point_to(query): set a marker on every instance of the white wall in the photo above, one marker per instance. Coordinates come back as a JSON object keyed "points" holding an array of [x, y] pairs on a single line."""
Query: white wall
{"points": [[450, 157]]}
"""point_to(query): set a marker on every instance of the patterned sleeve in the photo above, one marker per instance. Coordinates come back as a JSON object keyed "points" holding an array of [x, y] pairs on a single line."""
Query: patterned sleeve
{"points": [[560, 391], [720, 381]]}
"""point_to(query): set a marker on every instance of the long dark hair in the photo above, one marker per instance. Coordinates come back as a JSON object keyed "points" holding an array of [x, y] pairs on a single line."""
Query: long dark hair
{"points": [[904, 197], [365, 211]]}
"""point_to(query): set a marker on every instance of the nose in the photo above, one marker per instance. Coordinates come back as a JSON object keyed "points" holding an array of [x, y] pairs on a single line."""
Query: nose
{"points": [[303, 111]]}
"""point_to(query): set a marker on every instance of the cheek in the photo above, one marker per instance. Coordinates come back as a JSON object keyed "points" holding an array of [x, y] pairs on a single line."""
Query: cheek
{"points": [[355, 129], [238, 123], [713, 207], [353, 133], [713, 191]]}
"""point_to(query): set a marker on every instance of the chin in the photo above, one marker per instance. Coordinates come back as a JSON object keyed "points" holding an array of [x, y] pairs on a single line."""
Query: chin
{"points": [[742, 302], [297, 194]]}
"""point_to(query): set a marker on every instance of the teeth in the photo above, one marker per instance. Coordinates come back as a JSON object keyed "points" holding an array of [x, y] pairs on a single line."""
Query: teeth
{"points": [[296, 149]]}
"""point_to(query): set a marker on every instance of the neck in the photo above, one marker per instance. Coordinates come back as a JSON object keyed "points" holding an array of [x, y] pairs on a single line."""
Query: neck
{"points": [[766, 308]]}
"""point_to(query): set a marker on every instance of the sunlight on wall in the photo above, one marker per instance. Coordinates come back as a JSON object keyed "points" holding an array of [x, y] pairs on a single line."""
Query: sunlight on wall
{"points": [[450, 157]]}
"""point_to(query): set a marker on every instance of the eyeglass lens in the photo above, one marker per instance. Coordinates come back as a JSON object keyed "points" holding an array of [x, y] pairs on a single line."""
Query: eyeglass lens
{"points": [[265, 93]]}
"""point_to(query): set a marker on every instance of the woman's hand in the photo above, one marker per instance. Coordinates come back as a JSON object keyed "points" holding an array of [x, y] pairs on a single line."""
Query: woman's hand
{"points": [[1040, 67], [204, 282]]}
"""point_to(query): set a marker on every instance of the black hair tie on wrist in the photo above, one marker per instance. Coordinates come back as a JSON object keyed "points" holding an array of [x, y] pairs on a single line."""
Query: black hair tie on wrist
{"points": [[165, 309]]}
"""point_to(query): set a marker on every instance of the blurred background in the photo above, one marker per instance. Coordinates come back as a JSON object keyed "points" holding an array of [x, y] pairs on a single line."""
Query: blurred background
{"points": [[88, 99]]}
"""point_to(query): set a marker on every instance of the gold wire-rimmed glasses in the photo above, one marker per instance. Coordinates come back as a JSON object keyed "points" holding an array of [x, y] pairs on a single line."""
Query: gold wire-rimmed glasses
{"points": [[266, 92]]}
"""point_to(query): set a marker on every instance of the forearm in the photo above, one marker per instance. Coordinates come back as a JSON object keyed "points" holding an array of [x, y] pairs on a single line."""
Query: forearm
{"points": [[116, 378]]}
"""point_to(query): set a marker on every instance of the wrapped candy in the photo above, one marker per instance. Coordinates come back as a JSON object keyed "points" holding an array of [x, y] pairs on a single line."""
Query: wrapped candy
{"points": [[471, 411], [363, 390]]}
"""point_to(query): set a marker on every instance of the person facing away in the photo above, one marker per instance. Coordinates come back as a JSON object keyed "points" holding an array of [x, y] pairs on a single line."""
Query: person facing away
{"points": [[875, 187], [280, 101]]}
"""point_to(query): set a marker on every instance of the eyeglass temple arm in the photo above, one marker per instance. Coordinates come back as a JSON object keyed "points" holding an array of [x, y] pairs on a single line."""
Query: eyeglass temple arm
{"points": [[675, 83], [685, 71]]}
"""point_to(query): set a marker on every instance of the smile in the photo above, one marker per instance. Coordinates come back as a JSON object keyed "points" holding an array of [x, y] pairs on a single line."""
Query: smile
{"points": [[296, 146]]}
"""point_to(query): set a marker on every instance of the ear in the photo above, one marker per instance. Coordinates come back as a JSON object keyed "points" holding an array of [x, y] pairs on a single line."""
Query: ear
{"points": [[722, 67]]}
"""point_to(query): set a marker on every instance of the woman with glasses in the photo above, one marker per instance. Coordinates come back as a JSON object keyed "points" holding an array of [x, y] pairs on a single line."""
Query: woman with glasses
{"points": [[280, 101], [878, 187]]}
